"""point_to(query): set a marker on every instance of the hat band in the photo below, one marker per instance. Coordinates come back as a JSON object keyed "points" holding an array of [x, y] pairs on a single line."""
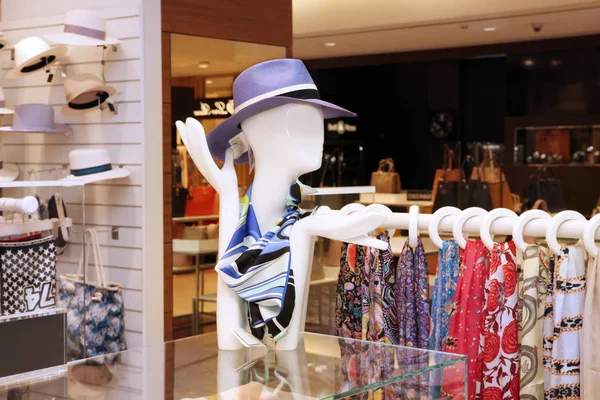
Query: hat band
{"points": [[91, 170], [83, 31], [286, 91]]}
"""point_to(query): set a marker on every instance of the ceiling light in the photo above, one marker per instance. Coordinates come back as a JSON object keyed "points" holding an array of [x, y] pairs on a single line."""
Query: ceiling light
{"points": [[489, 29], [329, 44], [555, 62], [528, 62], [203, 64], [209, 82]]}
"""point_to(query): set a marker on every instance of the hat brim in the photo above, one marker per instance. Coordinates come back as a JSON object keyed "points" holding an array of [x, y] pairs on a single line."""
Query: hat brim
{"points": [[89, 390], [71, 112], [218, 138], [9, 172], [57, 51], [6, 111], [115, 173], [73, 39], [58, 128]]}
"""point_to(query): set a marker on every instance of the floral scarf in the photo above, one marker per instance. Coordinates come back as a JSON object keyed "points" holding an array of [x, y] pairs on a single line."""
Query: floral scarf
{"points": [[466, 320], [499, 341], [412, 294]]}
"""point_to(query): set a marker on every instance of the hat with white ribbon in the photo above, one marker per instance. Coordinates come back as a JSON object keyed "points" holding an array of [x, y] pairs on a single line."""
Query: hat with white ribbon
{"points": [[83, 28], [264, 86], [33, 54]]}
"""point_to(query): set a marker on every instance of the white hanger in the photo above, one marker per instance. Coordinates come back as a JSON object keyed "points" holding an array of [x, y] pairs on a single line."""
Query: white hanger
{"points": [[413, 226], [457, 229], [381, 209], [367, 241], [557, 221], [434, 224], [522, 221], [488, 220], [589, 232]]}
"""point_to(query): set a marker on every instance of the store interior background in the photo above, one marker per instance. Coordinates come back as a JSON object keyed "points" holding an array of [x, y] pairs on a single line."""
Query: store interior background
{"points": [[495, 66]]}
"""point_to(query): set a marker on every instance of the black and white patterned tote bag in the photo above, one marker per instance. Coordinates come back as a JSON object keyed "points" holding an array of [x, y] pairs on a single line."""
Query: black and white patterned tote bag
{"points": [[27, 276]]}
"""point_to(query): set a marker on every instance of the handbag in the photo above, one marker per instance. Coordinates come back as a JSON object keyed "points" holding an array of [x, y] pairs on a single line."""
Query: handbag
{"points": [[200, 200], [544, 186], [96, 325], [180, 197], [489, 171], [27, 276], [448, 173], [474, 193], [57, 209], [386, 179], [446, 192]]}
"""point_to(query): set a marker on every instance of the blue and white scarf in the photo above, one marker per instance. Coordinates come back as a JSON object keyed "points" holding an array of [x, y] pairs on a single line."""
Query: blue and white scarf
{"points": [[258, 267]]}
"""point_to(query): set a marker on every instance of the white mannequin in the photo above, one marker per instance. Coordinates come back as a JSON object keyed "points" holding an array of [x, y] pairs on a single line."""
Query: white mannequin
{"points": [[287, 141]]}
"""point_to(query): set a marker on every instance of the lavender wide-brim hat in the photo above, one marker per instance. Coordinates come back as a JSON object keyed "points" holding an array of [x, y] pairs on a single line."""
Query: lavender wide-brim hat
{"points": [[264, 86]]}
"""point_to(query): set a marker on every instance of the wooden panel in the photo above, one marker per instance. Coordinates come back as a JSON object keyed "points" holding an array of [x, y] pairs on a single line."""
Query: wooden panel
{"points": [[258, 21], [167, 160], [166, 67], [168, 290], [168, 208]]}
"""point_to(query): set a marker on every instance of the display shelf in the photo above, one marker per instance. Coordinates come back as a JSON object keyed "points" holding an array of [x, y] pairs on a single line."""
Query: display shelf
{"points": [[343, 190], [32, 314], [20, 227], [198, 218], [322, 367], [36, 184]]}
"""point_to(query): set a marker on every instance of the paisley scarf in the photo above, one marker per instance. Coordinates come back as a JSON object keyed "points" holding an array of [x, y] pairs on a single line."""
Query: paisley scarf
{"points": [[258, 267]]}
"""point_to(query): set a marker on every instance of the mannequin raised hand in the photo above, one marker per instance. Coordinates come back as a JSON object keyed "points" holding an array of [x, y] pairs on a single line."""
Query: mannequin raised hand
{"points": [[224, 180]]}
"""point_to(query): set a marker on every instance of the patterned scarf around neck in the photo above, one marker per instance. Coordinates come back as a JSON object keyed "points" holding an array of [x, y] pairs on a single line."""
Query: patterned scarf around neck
{"points": [[258, 267]]}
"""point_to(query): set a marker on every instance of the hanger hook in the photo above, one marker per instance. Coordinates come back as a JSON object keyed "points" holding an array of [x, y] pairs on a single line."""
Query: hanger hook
{"points": [[413, 226], [557, 221], [522, 221], [589, 234], [434, 224], [485, 229], [463, 217]]}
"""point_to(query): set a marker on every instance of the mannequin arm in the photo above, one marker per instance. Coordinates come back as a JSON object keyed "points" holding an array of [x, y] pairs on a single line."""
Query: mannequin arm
{"points": [[230, 313]]}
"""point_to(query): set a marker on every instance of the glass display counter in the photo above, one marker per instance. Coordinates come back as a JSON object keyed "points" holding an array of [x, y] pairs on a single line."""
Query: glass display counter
{"points": [[323, 367]]}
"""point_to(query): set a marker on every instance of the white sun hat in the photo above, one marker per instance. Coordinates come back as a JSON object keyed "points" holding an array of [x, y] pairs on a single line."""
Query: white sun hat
{"points": [[3, 109], [83, 28], [85, 92], [33, 54], [93, 165]]}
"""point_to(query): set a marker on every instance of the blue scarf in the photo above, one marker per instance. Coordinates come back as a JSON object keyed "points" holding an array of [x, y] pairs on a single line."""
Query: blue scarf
{"points": [[258, 267]]}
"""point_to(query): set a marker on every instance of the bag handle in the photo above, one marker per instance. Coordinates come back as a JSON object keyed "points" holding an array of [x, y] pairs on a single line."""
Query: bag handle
{"points": [[386, 165], [92, 247]]}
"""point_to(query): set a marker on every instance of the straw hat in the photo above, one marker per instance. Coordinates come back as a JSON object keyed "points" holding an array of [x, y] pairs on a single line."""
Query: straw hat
{"points": [[83, 28], [85, 92], [3, 109], [35, 118], [33, 54], [93, 165]]}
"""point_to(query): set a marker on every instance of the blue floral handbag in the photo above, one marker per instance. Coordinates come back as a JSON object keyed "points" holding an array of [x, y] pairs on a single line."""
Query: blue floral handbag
{"points": [[95, 326]]}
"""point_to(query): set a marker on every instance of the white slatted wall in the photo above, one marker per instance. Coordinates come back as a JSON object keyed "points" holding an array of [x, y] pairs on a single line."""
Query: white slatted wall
{"points": [[133, 204]]}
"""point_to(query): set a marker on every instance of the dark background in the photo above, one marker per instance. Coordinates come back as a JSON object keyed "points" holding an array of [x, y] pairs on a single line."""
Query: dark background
{"points": [[395, 102]]}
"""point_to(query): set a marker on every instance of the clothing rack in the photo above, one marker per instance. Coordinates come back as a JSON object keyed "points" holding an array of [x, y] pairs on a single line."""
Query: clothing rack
{"points": [[570, 229]]}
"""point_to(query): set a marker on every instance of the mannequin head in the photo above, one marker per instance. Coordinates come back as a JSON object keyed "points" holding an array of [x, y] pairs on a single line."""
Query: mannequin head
{"points": [[288, 138]]}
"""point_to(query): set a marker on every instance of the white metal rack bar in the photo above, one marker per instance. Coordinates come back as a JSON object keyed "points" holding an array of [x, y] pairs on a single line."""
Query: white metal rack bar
{"points": [[33, 184], [501, 226]]}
